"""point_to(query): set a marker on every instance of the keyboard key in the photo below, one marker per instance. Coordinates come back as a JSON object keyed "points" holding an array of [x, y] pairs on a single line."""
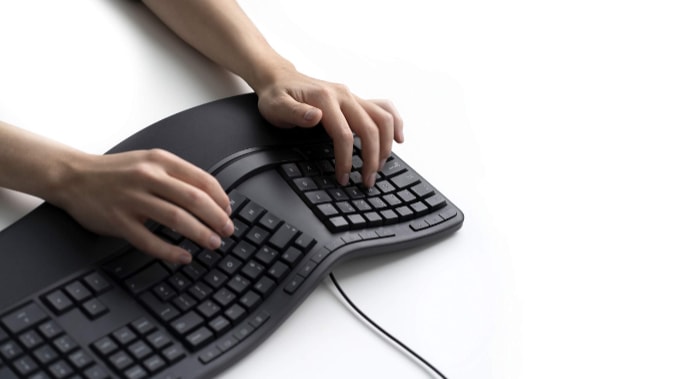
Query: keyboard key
{"points": [[58, 301], [305, 184], [184, 302], [25, 365], [164, 311], [50, 329], [243, 250], [294, 284], [230, 264], [96, 282], [266, 255], [127, 264], [291, 170], [317, 197], [105, 346], [253, 270], [140, 350], [236, 199], [158, 339], [251, 212], [224, 297], [257, 235], [238, 284], [146, 278], [10, 350], [405, 180], [179, 281], [264, 286], [173, 353], [292, 256], [154, 364], [270, 221], [135, 372], [124, 335], [208, 309], [187, 322], [120, 360], [215, 278], [143, 326], [80, 359], [235, 313], [200, 291], [45, 354], [208, 258], [283, 236], [278, 271], [30, 339], [199, 337], [61, 369], [23, 318], [219, 324], [94, 308], [209, 355], [96, 372]]}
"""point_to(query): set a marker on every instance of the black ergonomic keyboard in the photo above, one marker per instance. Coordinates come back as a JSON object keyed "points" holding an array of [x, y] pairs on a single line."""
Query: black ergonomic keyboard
{"points": [[77, 305]]}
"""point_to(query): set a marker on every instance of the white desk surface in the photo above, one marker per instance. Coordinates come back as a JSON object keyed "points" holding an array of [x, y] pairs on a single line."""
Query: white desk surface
{"points": [[573, 128]]}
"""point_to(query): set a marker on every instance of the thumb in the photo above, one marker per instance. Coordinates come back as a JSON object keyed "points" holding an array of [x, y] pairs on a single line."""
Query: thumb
{"points": [[286, 111]]}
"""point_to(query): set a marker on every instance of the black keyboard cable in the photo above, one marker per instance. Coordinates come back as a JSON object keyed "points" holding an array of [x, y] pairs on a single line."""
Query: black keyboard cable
{"points": [[384, 332]]}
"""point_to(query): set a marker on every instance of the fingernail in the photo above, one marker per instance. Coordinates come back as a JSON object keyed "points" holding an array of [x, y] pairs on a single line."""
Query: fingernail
{"points": [[185, 258], [229, 210], [228, 228], [310, 114], [369, 179], [214, 241], [381, 164], [344, 180]]}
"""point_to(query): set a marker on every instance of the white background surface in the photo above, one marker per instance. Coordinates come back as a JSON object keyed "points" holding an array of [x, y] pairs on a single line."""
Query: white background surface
{"points": [[567, 132]]}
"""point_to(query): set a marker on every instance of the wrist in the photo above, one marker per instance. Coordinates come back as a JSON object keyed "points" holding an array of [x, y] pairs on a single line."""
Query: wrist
{"points": [[63, 177], [267, 72]]}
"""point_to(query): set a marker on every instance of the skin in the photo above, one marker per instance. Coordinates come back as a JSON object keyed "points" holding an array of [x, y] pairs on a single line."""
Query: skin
{"points": [[116, 194]]}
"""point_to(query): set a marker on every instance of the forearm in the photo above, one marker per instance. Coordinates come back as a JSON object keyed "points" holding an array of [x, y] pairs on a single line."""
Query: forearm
{"points": [[32, 164], [221, 30]]}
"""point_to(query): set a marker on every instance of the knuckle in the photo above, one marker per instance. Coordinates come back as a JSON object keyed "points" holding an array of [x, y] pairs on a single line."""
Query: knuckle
{"points": [[176, 218], [324, 93], [345, 137], [193, 197], [342, 90], [157, 155], [385, 120], [144, 171]]}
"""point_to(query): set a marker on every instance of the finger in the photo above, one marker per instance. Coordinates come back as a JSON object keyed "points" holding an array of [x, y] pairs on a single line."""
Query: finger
{"points": [[196, 202], [180, 220], [343, 142], [398, 120], [385, 122], [285, 111], [363, 125], [195, 176], [144, 240]]}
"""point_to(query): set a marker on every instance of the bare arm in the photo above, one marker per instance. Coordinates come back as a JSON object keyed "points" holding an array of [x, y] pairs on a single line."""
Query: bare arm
{"points": [[115, 194], [222, 31]]}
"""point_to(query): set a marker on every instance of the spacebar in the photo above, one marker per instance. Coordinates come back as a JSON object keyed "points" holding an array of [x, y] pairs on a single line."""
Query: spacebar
{"points": [[241, 168]]}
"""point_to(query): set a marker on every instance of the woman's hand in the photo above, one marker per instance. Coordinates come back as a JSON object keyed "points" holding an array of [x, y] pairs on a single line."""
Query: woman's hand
{"points": [[290, 98], [116, 194], [224, 33]]}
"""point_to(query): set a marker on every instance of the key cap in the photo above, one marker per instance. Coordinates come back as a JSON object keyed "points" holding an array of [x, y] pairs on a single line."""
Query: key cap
{"points": [[146, 278], [128, 263], [23, 318]]}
